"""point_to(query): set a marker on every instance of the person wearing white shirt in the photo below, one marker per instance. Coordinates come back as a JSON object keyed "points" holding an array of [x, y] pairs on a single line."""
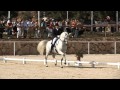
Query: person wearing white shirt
{"points": [[19, 34], [9, 28]]}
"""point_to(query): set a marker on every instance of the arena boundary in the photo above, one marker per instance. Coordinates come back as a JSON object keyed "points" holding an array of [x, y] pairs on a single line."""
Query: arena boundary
{"points": [[75, 63]]}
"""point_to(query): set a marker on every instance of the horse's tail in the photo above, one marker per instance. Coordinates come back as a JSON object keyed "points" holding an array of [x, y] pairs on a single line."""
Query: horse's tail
{"points": [[42, 46]]}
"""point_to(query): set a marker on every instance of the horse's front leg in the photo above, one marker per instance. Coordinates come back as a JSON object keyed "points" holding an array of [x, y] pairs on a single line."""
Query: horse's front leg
{"points": [[63, 55], [67, 64]]}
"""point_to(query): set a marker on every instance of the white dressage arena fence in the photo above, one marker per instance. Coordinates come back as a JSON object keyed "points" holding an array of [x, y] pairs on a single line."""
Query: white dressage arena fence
{"points": [[69, 62]]}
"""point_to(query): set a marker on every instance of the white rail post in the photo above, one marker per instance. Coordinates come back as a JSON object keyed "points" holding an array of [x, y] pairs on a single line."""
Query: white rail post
{"points": [[4, 60], [24, 62], [93, 64]]}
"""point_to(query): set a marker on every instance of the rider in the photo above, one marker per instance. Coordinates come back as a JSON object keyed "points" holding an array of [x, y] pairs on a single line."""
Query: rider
{"points": [[55, 35]]}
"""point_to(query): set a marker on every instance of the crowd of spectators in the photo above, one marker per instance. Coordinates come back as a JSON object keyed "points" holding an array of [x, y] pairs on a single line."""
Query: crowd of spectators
{"points": [[48, 27]]}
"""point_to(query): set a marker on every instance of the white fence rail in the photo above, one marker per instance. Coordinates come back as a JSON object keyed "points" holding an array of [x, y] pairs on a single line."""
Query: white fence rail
{"points": [[69, 62]]}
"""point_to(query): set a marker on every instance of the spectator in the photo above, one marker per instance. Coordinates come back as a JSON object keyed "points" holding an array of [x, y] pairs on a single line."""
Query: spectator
{"points": [[9, 28], [1, 29], [30, 28], [73, 27], [36, 29], [19, 30], [50, 32], [25, 28], [76, 32]]}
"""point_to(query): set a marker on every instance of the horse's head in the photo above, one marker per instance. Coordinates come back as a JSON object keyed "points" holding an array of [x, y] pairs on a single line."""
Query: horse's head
{"points": [[64, 36]]}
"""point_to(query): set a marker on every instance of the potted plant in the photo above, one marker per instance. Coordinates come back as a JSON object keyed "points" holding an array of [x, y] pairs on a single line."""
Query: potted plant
{"points": [[78, 54]]}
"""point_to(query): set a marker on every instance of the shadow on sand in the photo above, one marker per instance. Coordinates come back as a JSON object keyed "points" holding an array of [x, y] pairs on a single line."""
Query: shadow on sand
{"points": [[99, 67]]}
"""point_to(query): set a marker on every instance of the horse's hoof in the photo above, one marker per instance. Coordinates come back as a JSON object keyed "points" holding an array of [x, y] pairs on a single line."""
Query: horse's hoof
{"points": [[46, 65], [55, 64], [61, 66], [65, 63]]}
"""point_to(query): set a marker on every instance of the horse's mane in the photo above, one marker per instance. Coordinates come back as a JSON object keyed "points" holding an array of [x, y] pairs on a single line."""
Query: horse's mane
{"points": [[63, 33]]}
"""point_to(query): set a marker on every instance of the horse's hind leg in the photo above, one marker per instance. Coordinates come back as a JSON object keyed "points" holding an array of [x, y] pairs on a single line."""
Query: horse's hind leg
{"points": [[63, 55], [45, 63], [65, 59], [53, 55], [46, 56]]}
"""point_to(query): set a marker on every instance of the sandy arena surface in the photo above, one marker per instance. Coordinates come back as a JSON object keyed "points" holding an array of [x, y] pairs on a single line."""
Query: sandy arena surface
{"points": [[37, 70]]}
